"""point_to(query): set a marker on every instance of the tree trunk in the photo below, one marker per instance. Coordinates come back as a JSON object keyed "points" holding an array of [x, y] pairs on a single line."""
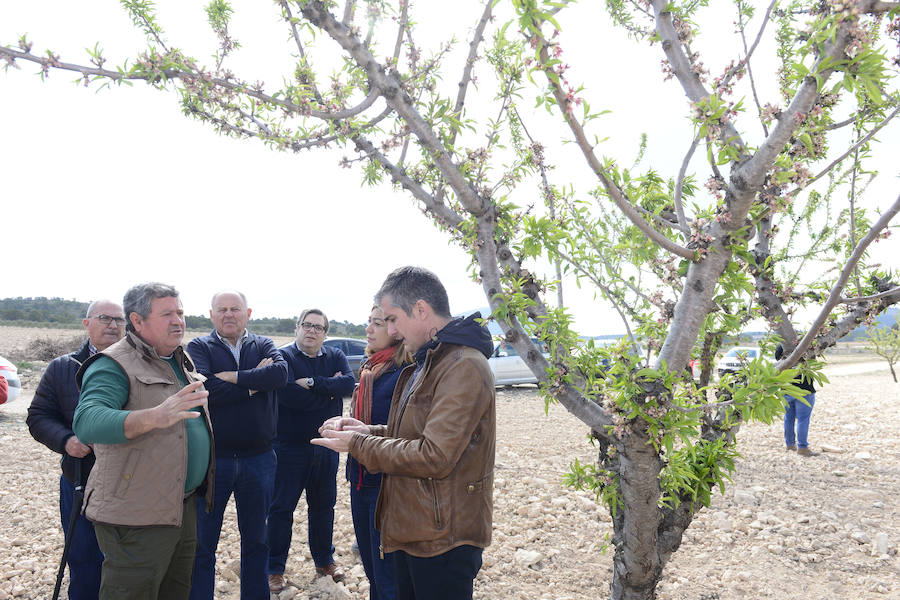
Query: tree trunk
{"points": [[636, 564]]}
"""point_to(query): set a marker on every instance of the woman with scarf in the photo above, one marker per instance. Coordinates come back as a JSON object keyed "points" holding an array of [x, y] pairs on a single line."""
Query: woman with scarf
{"points": [[371, 405]]}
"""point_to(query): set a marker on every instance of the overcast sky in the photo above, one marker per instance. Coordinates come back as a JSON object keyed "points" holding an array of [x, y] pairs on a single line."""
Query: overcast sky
{"points": [[104, 189]]}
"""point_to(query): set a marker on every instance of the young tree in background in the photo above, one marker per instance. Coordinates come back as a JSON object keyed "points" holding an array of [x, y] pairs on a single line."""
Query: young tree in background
{"points": [[765, 217], [885, 342]]}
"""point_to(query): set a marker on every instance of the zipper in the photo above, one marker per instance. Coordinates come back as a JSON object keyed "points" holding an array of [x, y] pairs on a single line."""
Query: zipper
{"points": [[437, 512], [415, 384]]}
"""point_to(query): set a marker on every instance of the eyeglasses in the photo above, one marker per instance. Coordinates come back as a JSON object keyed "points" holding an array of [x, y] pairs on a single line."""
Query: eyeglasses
{"points": [[106, 320], [306, 325]]}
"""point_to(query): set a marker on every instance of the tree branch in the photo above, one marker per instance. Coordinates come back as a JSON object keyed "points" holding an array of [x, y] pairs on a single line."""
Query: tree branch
{"points": [[748, 53], [392, 90], [849, 151], [679, 185], [834, 297], [443, 214], [611, 188], [179, 74], [891, 292]]}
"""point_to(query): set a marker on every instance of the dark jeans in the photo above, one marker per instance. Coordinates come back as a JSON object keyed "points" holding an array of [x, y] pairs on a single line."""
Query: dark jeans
{"points": [[85, 559], [313, 469], [380, 571], [447, 576], [252, 480], [148, 563]]}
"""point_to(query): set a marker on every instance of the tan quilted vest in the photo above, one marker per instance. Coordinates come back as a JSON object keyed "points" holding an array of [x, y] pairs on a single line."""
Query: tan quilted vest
{"points": [[140, 482]]}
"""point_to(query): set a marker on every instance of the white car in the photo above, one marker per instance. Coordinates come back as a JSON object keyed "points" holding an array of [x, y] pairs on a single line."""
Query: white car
{"points": [[737, 357], [508, 367], [11, 374]]}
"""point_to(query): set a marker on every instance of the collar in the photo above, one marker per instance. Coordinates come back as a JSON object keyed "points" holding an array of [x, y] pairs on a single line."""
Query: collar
{"points": [[300, 350], [147, 351], [243, 338]]}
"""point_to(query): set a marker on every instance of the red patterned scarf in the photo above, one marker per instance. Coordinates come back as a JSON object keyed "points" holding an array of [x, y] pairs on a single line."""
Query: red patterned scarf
{"points": [[370, 371]]}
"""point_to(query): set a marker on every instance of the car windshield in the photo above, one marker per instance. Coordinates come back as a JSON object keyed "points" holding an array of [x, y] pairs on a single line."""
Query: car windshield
{"points": [[748, 352]]}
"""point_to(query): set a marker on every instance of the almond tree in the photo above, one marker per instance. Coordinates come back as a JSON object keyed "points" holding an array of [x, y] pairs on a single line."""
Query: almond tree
{"points": [[885, 342], [779, 224]]}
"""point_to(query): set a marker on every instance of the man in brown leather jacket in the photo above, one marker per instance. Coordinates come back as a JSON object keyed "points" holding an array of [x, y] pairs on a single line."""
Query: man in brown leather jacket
{"points": [[437, 449]]}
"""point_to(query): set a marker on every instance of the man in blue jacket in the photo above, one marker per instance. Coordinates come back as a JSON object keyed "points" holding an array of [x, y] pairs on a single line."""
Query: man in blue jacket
{"points": [[50, 422], [319, 379], [242, 371]]}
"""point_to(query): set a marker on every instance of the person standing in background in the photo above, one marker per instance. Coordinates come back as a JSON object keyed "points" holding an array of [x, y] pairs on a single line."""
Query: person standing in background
{"points": [[50, 422], [319, 378], [242, 372], [378, 376], [797, 414]]}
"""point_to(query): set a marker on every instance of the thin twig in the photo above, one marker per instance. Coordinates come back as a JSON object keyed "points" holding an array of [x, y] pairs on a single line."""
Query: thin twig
{"points": [[834, 297], [679, 183]]}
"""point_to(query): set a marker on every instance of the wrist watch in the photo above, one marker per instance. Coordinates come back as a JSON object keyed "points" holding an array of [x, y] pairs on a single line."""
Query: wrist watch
{"points": [[310, 381]]}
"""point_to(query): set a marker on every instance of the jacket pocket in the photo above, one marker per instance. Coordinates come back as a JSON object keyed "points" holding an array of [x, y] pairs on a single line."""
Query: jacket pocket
{"points": [[432, 494], [127, 473], [153, 380]]}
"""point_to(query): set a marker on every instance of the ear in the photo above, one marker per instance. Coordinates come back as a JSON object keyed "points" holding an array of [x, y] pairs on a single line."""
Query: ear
{"points": [[85, 322], [421, 309], [210, 314], [249, 312], [136, 321]]}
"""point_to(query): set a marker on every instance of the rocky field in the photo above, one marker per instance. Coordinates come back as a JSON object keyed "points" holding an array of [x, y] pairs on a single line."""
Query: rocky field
{"points": [[794, 528]]}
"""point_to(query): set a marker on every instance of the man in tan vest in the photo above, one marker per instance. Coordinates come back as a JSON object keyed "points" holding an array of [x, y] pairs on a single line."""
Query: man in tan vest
{"points": [[143, 408]]}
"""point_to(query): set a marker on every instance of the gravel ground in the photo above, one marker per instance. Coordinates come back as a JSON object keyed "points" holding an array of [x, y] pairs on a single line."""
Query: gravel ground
{"points": [[788, 527]]}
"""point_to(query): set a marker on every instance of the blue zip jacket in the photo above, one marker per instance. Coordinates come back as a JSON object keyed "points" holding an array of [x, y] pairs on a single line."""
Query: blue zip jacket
{"points": [[53, 406], [302, 411], [243, 423], [382, 393]]}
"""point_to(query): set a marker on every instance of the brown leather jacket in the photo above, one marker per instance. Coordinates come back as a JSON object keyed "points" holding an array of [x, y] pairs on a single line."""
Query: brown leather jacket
{"points": [[140, 482], [437, 453]]}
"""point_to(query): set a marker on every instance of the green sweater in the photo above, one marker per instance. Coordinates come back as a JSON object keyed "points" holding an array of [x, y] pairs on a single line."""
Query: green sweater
{"points": [[99, 418]]}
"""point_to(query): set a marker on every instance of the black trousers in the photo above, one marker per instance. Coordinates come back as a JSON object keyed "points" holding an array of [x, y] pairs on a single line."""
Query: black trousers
{"points": [[447, 576]]}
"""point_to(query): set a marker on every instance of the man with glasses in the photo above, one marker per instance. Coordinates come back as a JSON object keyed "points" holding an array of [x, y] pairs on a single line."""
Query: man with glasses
{"points": [[50, 422], [242, 372], [319, 378]]}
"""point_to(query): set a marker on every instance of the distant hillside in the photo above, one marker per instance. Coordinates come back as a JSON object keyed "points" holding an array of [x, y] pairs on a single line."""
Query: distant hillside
{"points": [[886, 319], [60, 313], [55, 311]]}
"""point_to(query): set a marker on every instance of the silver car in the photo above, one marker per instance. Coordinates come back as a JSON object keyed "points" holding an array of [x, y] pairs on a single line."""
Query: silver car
{"points": [[508, 367], [11, 374]]}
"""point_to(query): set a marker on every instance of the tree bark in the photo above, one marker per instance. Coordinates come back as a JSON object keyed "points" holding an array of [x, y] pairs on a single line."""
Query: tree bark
{"points": [[636, 563]]}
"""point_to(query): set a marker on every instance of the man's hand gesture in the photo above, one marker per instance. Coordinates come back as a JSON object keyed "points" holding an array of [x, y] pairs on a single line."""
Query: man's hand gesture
{"points": [[175, 408], [337, 432]]}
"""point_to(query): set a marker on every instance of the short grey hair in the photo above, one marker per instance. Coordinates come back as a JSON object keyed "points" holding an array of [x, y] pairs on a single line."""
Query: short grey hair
{"points": [[212, 302], [139, 298], [408, 285], [312, 311]]}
